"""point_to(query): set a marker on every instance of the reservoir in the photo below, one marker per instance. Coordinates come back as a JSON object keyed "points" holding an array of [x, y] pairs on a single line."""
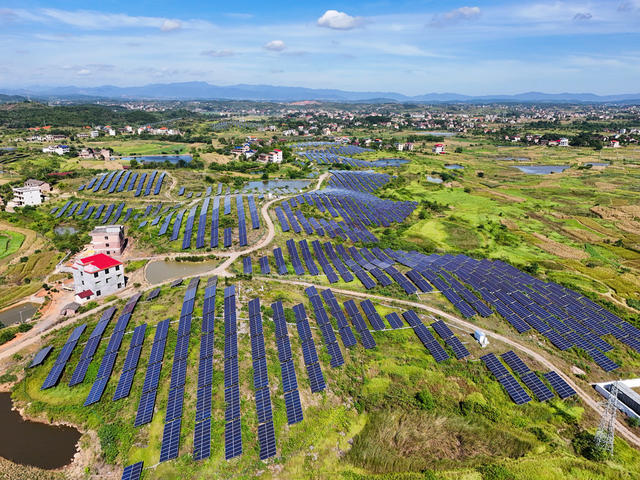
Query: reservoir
{"points": [[161, 271], [388, 162], [33, 443]]}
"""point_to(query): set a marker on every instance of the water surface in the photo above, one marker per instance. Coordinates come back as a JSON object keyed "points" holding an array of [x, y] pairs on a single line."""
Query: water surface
{"points": [[161, 271], [33, 443], [433, 179], [18, 313], [541, 169], [269, 185], [389, 162], [453, 166]]}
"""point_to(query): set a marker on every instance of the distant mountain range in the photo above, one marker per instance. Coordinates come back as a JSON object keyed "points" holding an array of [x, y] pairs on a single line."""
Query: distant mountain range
{"points": [[270, 93]]}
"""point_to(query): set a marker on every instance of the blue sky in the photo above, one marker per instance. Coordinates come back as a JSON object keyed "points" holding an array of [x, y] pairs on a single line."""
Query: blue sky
{"points": [[411, 47]]}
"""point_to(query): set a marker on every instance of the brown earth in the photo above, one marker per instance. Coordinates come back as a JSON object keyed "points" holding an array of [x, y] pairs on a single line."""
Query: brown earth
{"points": [[627, 217], [559, 249]]}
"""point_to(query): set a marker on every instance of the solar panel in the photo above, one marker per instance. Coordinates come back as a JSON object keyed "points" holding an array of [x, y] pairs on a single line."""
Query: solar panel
{"points": [[293, 406], [170, 440], [41, 356], [562, 388], [267, 440], [202, 440], [394, 320], [494, 365], [515, 362], [539, 389], [132, 472], [514, 389], [233, 439], [373, 317]]}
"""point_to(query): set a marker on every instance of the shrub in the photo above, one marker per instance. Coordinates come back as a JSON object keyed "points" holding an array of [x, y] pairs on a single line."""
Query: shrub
{"points": [[494, 471], [8, 378], [425, 400]]}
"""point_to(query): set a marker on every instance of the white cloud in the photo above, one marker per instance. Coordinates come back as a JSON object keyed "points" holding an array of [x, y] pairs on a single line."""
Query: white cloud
{"points": [[218, 53], [581, 16], [84, 71], [455, 16], [275, 45], [170, 25], [339, 20]]}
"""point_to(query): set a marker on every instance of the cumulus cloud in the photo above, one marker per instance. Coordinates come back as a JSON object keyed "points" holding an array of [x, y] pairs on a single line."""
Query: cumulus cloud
{"points": [[275, 46], [339, 20], [218, 53], [170, 25], [455, 16], [581, 16]]}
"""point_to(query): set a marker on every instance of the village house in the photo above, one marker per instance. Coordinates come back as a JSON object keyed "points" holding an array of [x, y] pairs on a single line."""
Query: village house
{"points": [[438, 148], [97, 276], [108, 239]]}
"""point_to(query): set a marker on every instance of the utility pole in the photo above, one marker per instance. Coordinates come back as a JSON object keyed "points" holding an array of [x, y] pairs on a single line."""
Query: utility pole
{"points": [[606, 431]]}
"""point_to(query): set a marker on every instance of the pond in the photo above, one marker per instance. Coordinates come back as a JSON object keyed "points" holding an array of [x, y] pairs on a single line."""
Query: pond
{"points": [[267, 185], [433, 179], [33, 443], [64, 230], [453, 166], [160, 271], [388, 162], [542, 169], [19, 313], [598, 164], [159, 158]]}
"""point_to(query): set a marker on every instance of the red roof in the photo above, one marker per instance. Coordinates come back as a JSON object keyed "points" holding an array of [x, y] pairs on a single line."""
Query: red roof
{"points": [[100, 261], [85, 294]]}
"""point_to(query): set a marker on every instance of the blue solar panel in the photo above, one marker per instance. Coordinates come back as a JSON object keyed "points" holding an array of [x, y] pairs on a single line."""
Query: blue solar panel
{"points": [[515, 362], [132, 472], [202, 440], [293, 406], [267, 440], [170, 440], [539, 389], [41, 356], [233, 439], [562, 388]]}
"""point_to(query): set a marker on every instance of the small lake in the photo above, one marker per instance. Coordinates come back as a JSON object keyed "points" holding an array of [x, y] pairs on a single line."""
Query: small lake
{"points": [[161, 271], [267, 185], [159, 158], [18, 313], [454, 166], [33, 443], [433, 179], [542, 169], [388, 162], [64, 230]]}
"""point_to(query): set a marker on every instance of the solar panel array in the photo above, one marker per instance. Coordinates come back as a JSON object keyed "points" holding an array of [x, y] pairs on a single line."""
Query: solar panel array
{"points": [[310, 355], [324, 324], [147, 403], [173, 416], [566, 318], [266, 432], [287, 368], [63, 357], [202, 434], [510, 384], [41, 356], [111, 352], [91, 346], [116, 182], [133, 471], [346, 335], [562, 388], [130, 363], [233, 422], [153, 294], [425, 336], [242, 225], [459, 350], [359, 324]]}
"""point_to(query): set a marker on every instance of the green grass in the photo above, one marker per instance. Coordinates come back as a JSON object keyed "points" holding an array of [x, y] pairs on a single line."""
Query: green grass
{"points": [[10, 242]]}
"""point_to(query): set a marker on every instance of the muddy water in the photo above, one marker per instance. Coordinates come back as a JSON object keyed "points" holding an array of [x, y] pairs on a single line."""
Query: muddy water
{"points": [[32, 443], [18, 313], [161, 271]]}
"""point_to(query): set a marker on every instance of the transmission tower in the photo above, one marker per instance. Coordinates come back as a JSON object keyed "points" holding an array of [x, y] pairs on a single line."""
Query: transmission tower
{"points": [[606, 431]]}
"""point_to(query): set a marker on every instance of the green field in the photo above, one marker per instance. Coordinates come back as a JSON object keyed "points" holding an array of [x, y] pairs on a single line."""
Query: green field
{"points": [[10, 242]]}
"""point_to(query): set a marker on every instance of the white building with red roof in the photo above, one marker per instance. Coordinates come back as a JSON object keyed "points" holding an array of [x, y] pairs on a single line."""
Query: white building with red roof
{"points": [[438, 148], [97, 276]]}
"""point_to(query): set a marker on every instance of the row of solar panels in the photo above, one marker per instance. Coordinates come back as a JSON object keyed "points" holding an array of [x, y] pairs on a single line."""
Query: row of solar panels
{"points": [[514, 389], [565, 318], [118, 181]]}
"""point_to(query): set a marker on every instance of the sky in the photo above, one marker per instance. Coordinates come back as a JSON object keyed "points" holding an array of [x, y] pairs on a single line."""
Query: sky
{"points": [[410, 47]]}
